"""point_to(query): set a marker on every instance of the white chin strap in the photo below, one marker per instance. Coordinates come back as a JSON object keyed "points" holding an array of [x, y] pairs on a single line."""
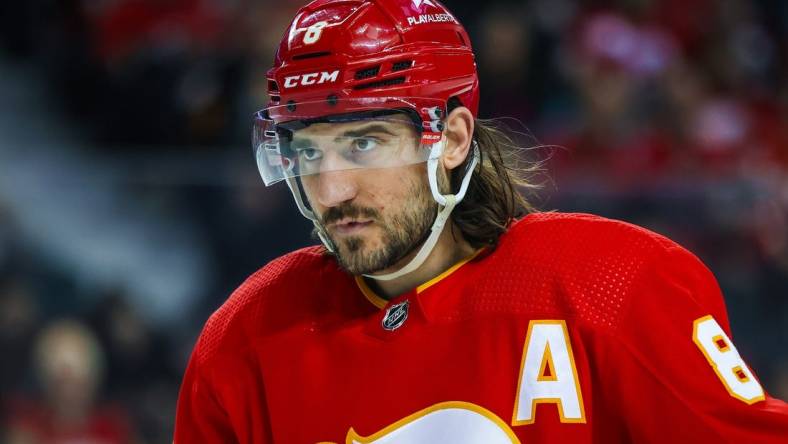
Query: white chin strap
{"points": [[447, 202]]}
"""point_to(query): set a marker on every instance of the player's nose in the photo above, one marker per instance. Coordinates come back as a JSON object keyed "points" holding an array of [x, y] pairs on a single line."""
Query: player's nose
{"points": [[336, 187]]}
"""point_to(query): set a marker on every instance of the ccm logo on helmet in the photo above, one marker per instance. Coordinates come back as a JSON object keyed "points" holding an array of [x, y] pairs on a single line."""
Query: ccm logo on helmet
{"points": [[313, 78]]}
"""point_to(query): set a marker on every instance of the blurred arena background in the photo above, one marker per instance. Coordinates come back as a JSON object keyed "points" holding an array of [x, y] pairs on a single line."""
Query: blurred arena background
{"points": [[130, 205]]}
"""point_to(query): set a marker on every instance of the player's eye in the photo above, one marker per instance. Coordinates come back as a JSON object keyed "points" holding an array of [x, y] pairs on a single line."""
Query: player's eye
{"points": [[309, 154], [364, 144]]}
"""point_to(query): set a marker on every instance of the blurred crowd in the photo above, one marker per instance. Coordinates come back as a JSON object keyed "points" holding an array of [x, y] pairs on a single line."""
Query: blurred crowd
{"points": [[672, 114]]}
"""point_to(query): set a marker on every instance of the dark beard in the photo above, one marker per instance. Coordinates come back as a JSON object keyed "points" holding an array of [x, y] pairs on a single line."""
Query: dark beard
{"points": [[401, 234]]}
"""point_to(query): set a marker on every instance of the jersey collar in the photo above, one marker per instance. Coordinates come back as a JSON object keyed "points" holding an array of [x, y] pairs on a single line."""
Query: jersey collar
{"points": [[380, 302]]}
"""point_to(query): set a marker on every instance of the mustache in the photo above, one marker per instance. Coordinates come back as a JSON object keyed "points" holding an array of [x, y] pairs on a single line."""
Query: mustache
{"points": [[347, 210]]}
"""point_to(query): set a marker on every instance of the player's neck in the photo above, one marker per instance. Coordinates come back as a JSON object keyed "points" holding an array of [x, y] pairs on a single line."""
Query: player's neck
{"points": [[450, 249]]}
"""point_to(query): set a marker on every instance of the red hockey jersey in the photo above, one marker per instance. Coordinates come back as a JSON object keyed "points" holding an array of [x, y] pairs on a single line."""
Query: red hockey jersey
{"points": [[576, 329]]}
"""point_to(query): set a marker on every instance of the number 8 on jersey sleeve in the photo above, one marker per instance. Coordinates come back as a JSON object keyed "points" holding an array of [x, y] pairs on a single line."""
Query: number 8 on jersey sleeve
{"points": [[726, 361]]}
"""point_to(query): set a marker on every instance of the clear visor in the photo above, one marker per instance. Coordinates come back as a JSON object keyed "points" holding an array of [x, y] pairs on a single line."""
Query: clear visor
{"points": [[306, 139]]}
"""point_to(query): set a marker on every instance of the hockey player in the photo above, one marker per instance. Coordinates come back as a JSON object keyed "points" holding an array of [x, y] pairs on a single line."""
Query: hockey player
{"points": [[431, 313]]}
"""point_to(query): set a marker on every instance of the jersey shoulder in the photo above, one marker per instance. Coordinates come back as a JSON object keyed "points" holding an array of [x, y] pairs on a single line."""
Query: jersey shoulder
{"points": [[574, 265], [582, 245], [588, 229], [275, 297]]}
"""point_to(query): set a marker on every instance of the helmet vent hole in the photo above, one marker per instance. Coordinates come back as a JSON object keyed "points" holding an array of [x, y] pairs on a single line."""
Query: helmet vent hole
{"points": [[367, 73], [311, 55], [272, 86], [399, 66], [381, 83]]}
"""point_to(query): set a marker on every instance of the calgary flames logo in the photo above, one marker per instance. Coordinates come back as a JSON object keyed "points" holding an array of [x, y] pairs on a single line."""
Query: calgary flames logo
{"points": [[455, 422]]}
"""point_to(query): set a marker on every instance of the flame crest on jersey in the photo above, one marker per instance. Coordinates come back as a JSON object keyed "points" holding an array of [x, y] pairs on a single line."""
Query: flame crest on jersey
{"points": [[396, 315]]}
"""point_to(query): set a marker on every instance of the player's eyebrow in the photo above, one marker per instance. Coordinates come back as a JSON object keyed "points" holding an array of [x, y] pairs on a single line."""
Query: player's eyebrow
{"points": [[306, 142], [301, 142], [370, 128]]}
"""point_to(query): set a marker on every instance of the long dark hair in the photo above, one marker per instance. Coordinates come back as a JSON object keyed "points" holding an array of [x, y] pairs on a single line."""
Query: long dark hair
{"points": [[495, 196]]}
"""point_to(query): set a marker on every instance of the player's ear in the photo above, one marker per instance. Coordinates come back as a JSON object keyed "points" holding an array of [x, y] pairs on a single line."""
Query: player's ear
{"points": [[459, 133]]}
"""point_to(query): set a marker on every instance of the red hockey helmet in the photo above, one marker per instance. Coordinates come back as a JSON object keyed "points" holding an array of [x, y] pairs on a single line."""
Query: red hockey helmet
{"points": [[342, 58], [374, 48]]}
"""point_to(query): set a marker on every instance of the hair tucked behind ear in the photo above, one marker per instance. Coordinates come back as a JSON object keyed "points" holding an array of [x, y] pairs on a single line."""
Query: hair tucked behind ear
{"points": [[494, 198]]}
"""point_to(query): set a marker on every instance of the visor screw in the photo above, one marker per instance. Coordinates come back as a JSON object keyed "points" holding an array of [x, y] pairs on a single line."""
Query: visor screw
{"points": [[435, 113], [332, 99], [291, 106]]}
